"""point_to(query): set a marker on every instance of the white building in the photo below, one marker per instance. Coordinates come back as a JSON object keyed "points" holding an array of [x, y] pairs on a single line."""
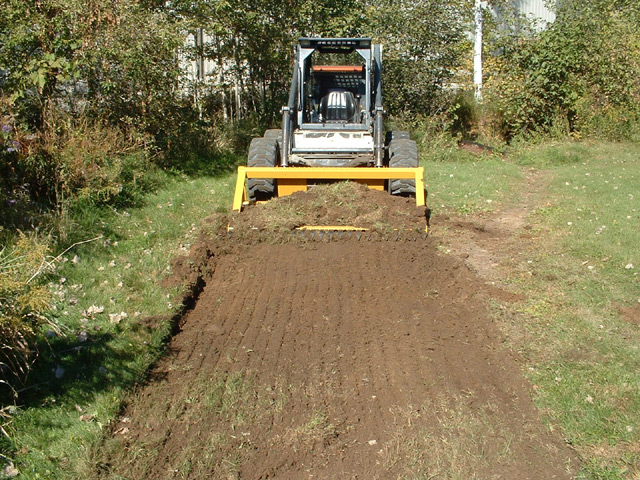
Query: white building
{"points": [[535, 9]]}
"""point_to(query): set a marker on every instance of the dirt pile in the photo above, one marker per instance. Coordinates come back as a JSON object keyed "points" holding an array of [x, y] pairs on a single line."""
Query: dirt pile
{"points": [[343, 204]]}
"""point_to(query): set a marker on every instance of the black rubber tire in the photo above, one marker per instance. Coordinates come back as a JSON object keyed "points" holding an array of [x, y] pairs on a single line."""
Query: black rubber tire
{"points": [[397, 135], [273, 133], [263, 152], [403, 153]]}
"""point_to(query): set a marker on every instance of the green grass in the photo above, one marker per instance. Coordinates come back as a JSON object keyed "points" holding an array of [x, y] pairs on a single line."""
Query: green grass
{"points": [[469, 184], [584, 357], [61, 417], [459, 447]]}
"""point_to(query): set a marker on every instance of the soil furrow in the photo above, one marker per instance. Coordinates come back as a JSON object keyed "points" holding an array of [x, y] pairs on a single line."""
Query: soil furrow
{"points": [[338, 360]]}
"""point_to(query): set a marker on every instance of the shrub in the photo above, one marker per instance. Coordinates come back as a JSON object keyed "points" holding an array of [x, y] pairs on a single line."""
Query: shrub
{"points": [[578, 75], [24, 304]]}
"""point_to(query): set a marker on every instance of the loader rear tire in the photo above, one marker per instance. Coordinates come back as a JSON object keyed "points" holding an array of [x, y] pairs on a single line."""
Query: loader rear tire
{"points": [[263, 152], [403, 153], [273, 133], [397, 135]]}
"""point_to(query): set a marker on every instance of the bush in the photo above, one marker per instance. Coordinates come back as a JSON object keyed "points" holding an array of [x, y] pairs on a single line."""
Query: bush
{"points": [[608, 122], [579, 75], [210, 148], [70, 160], [24, 304]]}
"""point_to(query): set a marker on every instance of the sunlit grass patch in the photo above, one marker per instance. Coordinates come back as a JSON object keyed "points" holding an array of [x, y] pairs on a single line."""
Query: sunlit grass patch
{"points": [[462, 443], [554, 154], [317, 429], [469, 186], [584, 354], [112, 318]]}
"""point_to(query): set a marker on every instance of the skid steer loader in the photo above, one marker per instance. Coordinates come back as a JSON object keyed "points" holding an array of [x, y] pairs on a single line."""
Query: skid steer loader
{"points": [[332, 129]]}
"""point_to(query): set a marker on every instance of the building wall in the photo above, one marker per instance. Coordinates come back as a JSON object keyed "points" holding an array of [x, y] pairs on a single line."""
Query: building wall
{"points": [[536, 9], [199, 69]]}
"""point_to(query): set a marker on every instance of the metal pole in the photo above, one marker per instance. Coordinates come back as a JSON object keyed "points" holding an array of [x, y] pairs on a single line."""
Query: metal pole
{"points": [[379, 121], [286, 116], [477, 52]]}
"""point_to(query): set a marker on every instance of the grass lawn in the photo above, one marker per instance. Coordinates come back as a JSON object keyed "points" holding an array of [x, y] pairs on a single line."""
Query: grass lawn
{"points": [[580, 347], [583, 307], [104, 290]]}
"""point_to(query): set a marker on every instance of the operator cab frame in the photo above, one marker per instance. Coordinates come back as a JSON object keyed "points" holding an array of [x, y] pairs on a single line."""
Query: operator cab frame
{"points": [[334, 96], [334, 116]]}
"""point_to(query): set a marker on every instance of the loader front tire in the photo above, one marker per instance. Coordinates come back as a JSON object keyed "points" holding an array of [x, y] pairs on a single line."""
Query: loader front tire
{"points": [[263, 152], [403, 153], [275, 134]]}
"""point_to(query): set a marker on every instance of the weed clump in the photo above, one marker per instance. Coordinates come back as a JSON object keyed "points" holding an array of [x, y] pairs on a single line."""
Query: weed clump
{"points": [[24, 304]]}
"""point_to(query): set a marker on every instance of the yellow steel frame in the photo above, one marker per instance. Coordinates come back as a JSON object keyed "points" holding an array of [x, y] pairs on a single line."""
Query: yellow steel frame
{"points": [[292, 179], [335, 228]]}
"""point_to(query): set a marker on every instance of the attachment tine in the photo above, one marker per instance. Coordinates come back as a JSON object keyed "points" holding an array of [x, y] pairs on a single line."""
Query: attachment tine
{"points": [[358, 235]]}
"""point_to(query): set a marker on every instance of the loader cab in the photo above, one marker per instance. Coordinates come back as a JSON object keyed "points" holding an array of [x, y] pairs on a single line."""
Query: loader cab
{"points": [[335, 94], [335, 83], [334, 114]]}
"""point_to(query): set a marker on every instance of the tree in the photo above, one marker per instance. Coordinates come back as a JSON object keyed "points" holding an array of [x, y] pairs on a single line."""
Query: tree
{"points": [[582, 71], [424, 44]]}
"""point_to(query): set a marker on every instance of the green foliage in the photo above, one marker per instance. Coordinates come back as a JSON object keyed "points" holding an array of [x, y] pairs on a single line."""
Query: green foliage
{"points": [[82, 88], [70, 162], [38, 53], [251, 44], [61, 54], [23, 305], [134, 87], [579, 75], [424, 43]]}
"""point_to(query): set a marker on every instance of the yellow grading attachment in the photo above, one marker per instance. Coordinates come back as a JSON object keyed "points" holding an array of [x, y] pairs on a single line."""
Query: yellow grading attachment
{"points": [[294, 179]]}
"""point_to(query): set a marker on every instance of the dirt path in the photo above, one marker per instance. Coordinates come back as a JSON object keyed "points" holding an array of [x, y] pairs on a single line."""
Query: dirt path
{"points": [[490, 244], [347, 359]]}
